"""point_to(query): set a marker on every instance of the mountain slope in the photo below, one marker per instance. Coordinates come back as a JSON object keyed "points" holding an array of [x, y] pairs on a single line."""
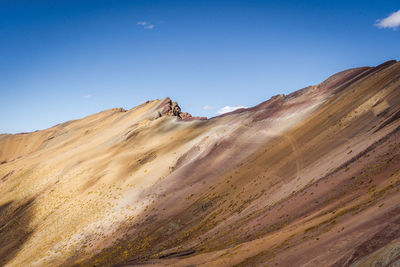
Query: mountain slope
{"points": [[310, 178]]}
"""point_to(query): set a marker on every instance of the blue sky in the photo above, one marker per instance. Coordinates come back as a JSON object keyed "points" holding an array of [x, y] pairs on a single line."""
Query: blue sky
{"points": [[65, 59]]}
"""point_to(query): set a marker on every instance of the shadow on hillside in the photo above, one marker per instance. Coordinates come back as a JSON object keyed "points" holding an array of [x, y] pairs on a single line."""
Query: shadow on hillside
{"points": [[14, 229]]}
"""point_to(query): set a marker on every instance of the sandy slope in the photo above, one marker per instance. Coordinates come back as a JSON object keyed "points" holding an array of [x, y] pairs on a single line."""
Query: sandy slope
{"points": [[308, 179]]}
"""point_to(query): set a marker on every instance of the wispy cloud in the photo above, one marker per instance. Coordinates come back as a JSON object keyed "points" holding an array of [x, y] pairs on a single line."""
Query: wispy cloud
{"points": [[392, 21], [145, 25], [227, 109], [87, 96], [151, 26], [207, 107]]}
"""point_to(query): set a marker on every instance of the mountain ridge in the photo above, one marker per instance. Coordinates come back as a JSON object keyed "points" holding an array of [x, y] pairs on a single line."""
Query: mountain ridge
{"points": [[310, 178]]}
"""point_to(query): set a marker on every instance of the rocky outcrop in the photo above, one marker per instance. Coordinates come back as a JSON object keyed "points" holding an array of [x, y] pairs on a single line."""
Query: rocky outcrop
{"points": [[170, 108]]}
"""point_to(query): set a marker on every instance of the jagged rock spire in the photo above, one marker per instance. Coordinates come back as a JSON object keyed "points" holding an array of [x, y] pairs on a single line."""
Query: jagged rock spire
{"points": [[170, 108]]}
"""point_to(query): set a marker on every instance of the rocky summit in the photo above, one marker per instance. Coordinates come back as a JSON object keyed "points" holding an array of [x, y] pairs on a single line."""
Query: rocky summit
{"points": [[306, 179]]}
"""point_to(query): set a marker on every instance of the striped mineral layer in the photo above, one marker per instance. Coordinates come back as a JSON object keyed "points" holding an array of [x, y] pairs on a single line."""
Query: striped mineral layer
{"points": [[307, 179]]}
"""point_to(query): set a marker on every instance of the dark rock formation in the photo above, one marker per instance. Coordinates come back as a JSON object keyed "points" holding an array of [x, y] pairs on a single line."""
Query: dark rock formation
{"points": [[170, 108]]}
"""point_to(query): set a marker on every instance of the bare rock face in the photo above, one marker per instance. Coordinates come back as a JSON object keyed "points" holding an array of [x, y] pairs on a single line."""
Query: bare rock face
{"points": [[170, 108]]}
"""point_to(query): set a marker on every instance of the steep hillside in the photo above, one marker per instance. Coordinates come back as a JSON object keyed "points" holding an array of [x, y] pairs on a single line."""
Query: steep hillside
{"points": [[307, 179]]}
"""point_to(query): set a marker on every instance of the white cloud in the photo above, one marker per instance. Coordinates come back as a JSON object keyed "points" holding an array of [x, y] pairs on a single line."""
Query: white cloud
{"points": [[207, 107], [145, 25], [151, 26], [227, 109], [392, 21], [87, 96]]}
